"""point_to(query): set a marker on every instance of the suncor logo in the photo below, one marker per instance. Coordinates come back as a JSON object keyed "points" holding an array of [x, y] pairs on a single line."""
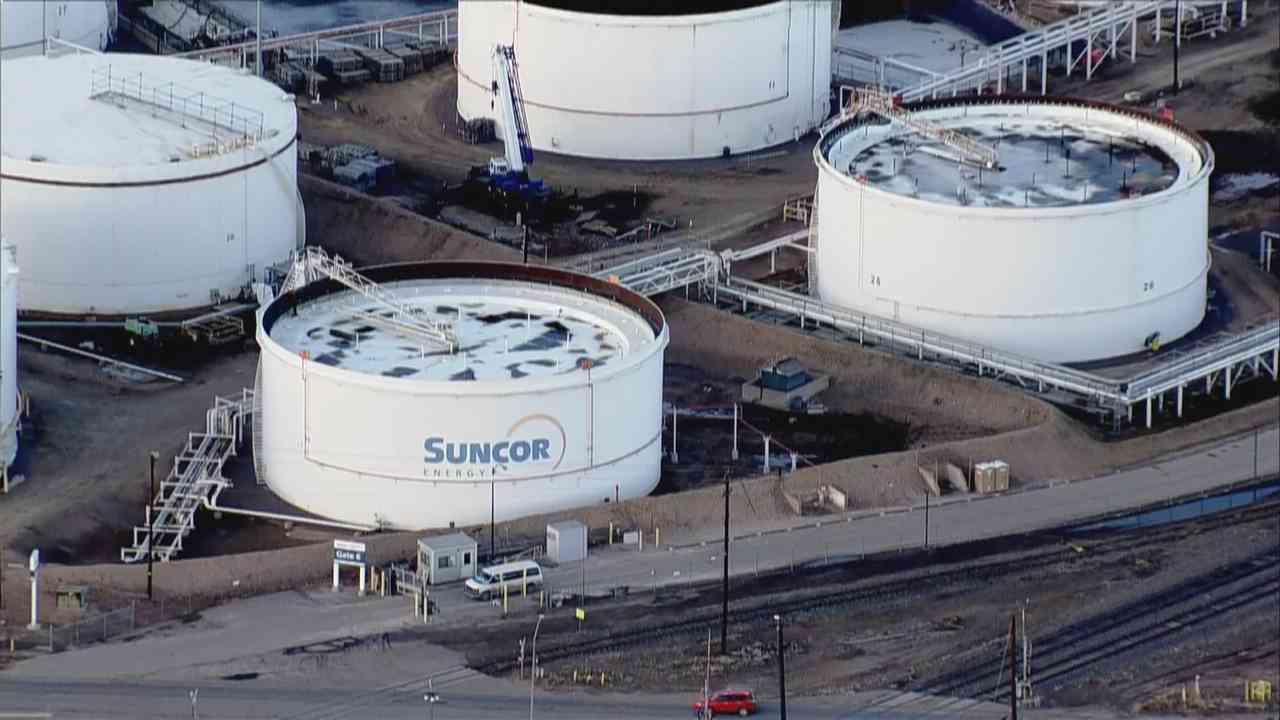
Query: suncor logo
{"points": [[532, 439]]}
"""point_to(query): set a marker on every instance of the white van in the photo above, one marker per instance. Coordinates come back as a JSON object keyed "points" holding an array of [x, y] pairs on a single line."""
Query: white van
{"points": [[488, 582]]}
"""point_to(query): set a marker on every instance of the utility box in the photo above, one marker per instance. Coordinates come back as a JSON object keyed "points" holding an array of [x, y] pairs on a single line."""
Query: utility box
{"points": [[989, 477], [786, 375], [447, 558], [72, 597], [567, 541]]}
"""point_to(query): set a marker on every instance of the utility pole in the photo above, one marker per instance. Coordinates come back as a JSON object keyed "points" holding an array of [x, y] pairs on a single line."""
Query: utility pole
{"points": [[492, 513], [526, 244], [1256, 432], [926, 516], [258, 44], [782, 671], [1177, 41], [151, 529], [431, 698], [724, 578], [1026, 652], [1013, 666], [533, 664]]}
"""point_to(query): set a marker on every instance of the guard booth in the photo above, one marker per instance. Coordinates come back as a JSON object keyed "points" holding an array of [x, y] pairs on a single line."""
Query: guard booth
{"points": [[567, 541], [447, 558]]}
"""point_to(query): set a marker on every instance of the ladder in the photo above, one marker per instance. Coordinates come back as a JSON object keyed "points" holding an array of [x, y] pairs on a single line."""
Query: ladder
{"points": [[313, 263], [884, 104], [195, 476]]}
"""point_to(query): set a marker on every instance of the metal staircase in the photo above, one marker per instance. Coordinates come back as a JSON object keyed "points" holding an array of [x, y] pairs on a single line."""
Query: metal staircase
{"points": [[313, 263], [259, 461], [195, 476], [855, 99]]}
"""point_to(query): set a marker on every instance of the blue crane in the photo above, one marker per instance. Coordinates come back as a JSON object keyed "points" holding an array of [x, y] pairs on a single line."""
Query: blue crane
{"points": [[510, 173]]}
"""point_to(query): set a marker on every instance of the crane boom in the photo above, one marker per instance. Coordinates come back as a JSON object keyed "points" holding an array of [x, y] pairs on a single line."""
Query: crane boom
{"points": [[515, 135], [884, 104]]}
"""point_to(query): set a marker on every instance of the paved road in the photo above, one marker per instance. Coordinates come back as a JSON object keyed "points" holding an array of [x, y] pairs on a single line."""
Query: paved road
{"points": [[245, 701]]}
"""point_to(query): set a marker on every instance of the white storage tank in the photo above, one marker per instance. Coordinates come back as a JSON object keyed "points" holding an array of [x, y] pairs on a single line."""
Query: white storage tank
{"points": [[642, 80], [9, 410], [1088, 241], [24, 24], [136, 184], [551, 400]]}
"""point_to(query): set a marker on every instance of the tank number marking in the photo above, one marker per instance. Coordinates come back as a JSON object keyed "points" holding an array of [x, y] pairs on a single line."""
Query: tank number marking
{"points": [[875, 280], [1148, 286]]}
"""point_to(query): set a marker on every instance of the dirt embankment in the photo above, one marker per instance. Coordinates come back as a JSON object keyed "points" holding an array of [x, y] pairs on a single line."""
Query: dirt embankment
{"points": [[938, 404], [367, 230]]}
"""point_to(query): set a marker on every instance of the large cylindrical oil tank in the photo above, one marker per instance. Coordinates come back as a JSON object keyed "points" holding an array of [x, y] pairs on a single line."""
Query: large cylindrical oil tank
{"points": [[612, 79], [25, 23], [9, 409], [136, 184], [1088, 241], [552, 398]]}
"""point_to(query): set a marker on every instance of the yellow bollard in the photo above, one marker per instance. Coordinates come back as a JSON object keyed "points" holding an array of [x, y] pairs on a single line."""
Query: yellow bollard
{"points": [[610, 533], [524, 583], [575, 677], [657, 536], [601, 678], [504, 599]]}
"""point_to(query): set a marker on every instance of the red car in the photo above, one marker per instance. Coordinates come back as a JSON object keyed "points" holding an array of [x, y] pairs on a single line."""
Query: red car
{"points": [[730, 702]]}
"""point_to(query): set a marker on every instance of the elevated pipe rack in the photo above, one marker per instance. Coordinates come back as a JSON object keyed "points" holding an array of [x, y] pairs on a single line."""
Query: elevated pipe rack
{"points": [[1221, 360], [1082, 40]]}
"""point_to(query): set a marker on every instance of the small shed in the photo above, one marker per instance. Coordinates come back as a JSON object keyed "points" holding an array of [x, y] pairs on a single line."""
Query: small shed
{"points": [[785, 375], [447, 558], [567, 541]]}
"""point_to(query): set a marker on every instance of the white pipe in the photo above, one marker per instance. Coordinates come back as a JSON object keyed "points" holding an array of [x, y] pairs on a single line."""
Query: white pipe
{"points": [[212, 504], [100, 358]]}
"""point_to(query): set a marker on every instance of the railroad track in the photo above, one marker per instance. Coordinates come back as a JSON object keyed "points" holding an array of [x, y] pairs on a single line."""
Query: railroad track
{"points": [[1093, 644], [967, 575]]}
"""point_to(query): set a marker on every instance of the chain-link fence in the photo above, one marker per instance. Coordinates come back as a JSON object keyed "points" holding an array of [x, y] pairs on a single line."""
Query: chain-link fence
{"points": [[98, 628]]}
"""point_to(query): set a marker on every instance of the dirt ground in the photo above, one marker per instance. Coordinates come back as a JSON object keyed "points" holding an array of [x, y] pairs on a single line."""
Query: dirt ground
{"points": [[412, 122]]}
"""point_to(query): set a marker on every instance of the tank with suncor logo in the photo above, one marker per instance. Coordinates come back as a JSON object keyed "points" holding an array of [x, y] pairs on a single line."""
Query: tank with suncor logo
{"points": [[548, 389]]}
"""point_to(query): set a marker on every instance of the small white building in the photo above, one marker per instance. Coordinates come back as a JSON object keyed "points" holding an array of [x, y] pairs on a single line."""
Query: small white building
{"points": [[566, 541], [447, 558]]}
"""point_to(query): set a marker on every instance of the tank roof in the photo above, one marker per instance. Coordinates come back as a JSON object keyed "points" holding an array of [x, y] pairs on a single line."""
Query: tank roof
{"points": [[508, 328], [1051, 154], [651, 7], [114, 111]]}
